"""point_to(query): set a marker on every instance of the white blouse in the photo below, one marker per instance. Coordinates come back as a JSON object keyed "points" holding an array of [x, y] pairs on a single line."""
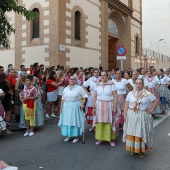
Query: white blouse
{"points": [[165, 80], [145, 103], [121, 86], [151, 82], [92, 83], [74, 94], [105, 92]]}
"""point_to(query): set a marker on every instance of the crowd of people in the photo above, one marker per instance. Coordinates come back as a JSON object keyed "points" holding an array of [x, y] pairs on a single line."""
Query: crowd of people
{"points": [[108, 101]]}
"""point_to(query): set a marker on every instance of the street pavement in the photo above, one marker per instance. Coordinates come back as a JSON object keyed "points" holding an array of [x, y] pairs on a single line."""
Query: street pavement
{"points": [[46, 150]]}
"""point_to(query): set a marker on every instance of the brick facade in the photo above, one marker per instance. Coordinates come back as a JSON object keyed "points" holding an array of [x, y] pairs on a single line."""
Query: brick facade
{"points": [[57, 21]]}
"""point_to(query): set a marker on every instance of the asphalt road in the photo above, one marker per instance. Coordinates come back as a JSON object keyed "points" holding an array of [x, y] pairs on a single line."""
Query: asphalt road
{"points": [[46, 150]]}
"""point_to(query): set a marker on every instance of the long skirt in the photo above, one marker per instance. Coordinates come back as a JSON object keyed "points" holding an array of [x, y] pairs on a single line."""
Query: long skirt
{"points": [[104, 114], [164, 95], [89, 104], [121, 104], [159, 108], [104, 132], [72, 119], [89, 116], [39, 115], [138, 131]]}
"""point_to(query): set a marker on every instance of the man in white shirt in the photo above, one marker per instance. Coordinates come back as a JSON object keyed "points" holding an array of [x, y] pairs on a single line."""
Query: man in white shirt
{"points": [[22, 69]]}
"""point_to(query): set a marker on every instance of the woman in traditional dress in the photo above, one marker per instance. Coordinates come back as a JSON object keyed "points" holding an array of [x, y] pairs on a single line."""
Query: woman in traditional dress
{"points": [[81, 78], [39, 113], [150, 83], [106, 118], [162, 89], [121, 86], [72, 114], [126, 75], [138, 127], [133, 79], [91, 85], [19, 87]]}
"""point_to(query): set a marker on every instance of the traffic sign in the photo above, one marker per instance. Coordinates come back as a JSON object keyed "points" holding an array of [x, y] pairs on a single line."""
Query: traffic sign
{"points": [[121, 51], [121, 57]]}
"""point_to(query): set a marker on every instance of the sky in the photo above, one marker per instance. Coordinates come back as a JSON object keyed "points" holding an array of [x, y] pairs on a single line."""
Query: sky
{"points": [[156, 25]]}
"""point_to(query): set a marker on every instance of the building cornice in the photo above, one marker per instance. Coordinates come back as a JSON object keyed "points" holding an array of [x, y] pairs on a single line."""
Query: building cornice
{"points": [[120, 6]]}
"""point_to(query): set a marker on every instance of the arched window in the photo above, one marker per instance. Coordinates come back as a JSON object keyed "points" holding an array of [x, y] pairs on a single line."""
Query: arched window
{"points": [[77, 25], [36, 24], [137, 45], [112, 27]]}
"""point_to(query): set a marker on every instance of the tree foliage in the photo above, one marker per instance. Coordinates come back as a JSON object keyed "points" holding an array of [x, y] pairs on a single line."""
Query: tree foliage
{"points": [[5, 27]]}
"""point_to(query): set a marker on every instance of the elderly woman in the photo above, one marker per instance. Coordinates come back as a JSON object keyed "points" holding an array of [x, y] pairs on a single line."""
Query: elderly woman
{"points": [[72, 115], [19, 87], [138, 129], [106, 119]]}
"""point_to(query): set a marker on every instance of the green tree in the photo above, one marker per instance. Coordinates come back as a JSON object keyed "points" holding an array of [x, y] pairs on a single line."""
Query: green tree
{"points": [[5, 27]]}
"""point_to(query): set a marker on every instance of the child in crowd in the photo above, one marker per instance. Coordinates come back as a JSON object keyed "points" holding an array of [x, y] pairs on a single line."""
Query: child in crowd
{"points": [[29, 95]]}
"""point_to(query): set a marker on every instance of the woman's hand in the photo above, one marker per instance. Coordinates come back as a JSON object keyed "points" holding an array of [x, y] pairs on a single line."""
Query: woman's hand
{"points": [[149, 111], [94, 111], [25, 99], [60, 111], [88, 93], [82, 107], [1, 94], [125, 117], [115, 110]]}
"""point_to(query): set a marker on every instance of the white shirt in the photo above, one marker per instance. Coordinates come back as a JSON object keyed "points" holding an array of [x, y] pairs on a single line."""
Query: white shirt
{"points": [[151, 82], [92, 83], [105, 93], [121, 86], [74, 94], [165, 80], [145, 103]]}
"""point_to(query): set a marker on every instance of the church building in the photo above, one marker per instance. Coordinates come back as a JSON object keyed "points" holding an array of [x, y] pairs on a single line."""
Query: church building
{"points": [[76, 33]]}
